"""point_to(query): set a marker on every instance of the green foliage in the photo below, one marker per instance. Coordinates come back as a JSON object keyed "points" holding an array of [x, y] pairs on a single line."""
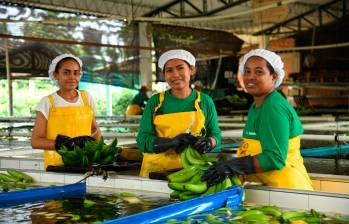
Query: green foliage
{"points": [[27, 94], [121, 102], [3, 98], [100, 106]]}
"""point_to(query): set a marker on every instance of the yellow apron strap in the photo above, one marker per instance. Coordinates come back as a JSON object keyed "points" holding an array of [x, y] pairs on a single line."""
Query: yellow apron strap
{"points": [[52, 102], [197, 101], [199, 117], [161, 98], [84, 98]]}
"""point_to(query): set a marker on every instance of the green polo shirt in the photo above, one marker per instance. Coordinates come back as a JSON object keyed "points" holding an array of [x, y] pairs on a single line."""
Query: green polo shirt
{"points": [[273, 123]]}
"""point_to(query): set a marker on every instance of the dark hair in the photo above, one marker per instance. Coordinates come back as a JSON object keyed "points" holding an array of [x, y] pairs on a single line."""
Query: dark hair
{"points": [[59, 64], [270, 68]]}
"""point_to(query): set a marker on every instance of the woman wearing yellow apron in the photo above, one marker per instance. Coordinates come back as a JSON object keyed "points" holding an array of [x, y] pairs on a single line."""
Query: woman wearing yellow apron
{"points": [[138, 102], [177, 117], [65, 117], [270, 152]]}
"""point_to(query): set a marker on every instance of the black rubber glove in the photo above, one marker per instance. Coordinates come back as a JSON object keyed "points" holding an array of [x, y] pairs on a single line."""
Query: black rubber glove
{"points": [[226, 168], [178, 143], [60, 141], [70, 143], [80, 140], [203, 145]]}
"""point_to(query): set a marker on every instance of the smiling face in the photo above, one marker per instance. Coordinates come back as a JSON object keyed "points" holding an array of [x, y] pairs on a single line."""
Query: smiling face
{"points": [[258, 79], [68, 74], [177, 74]]}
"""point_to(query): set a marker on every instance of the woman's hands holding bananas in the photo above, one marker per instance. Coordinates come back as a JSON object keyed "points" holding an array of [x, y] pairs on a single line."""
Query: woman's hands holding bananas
{"points": [[227, 168]]}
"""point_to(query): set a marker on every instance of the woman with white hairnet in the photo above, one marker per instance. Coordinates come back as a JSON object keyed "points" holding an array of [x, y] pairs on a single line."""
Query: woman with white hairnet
{"points": [[270, 152], [177, 117], [66, 117]]}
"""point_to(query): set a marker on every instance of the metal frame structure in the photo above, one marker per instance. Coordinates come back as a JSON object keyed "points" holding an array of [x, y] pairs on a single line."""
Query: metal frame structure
{"points": [[320, 10], [230, 15]]}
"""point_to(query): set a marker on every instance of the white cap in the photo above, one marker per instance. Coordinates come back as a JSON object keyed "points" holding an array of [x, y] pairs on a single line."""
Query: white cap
{"points": [[59, 58], [178, 54], [273, 59]]}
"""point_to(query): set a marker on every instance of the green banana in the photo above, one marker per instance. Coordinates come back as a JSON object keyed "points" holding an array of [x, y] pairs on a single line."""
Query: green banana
{"points": [[209, 159], [20, 175], [79, 152], [198, 188], [195, 179], [4, 186], [7, 178], [177, 186], [85, 160], [226, 183], [271, 210], [97, 156], [210, 190], [175, 194], [114, 143], [100, 144], [187, 195], [106, 150], [184, 160], [219, 187], [183, 175], [89, 148], [107, 160], [188, 179], [91, 152], [72, 158], [286, 216], [256, 218], [249, 212], [235, 180], [312, 220], [194, 157]]}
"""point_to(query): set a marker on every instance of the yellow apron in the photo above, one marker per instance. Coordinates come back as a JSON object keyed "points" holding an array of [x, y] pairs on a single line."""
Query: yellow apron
{"points": [[171, 125], [293, 175], [71, 121], [133, 109]]}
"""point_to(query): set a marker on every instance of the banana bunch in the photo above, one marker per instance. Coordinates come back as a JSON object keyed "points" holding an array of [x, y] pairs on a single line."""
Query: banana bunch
{"points": [[273, 214], [14, 179], [91, 153], [187, 183]]}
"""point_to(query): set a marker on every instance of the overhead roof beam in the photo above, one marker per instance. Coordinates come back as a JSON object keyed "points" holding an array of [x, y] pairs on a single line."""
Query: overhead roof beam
{"points": [[200, 13], [331, 14], [222, 8], [276, 27], [194, 7], [162, 8]]}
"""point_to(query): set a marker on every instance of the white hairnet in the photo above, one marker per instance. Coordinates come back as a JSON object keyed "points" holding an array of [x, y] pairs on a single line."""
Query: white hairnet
{"points": [[59, 58], [273, 59], [178, 54]]}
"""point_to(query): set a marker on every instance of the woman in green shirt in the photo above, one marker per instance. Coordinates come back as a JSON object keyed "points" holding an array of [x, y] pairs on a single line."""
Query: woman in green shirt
{"points": [[138, 102], [177, 117], [270, 152]]}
